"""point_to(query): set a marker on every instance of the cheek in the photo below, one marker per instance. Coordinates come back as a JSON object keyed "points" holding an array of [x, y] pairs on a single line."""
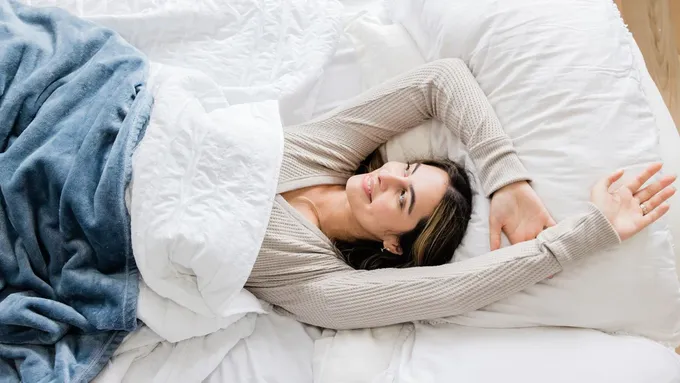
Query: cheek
{"points": [[388, 217], [379, 210], [370, 216], [380, 214]]}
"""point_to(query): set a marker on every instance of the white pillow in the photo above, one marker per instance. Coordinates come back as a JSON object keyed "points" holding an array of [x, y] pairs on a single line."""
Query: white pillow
{"points": [[383, 51], [565, 81]]}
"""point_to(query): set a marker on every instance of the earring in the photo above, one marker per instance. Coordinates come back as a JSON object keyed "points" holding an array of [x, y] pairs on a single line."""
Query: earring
{"points": [[382, 250]]}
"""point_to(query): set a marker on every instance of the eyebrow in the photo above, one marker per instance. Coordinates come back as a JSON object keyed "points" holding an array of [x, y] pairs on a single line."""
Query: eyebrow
{"points": [[413, 193]]}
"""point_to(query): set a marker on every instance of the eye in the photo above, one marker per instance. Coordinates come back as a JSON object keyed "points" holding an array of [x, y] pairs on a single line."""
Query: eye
{"points": [[402, 199]]}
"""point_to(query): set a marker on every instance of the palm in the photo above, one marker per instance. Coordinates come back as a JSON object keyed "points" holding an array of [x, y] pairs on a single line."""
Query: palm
{"points": [[627, 213], [623, 206]]}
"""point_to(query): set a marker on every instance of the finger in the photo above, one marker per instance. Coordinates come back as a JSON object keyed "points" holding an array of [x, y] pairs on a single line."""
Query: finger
{"points": [[641, 178], [613, 178], [648, 192], [655, 214], [660, 198], [495, 236]]}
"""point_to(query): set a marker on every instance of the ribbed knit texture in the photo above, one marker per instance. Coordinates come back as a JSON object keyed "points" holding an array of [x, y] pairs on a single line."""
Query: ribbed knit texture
{"points": [[334, 144], [297, 268]]}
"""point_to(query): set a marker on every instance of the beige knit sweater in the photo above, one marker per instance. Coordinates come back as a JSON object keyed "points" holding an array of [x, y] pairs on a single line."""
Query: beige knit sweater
{"points": [[297, 269]]}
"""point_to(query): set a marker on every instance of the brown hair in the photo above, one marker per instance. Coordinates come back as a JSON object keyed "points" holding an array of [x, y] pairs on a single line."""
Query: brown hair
{"points": [[433, 240]]}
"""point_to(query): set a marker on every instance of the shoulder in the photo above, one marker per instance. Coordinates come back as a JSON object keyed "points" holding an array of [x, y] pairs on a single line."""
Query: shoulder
{"points": [[291, 253]]}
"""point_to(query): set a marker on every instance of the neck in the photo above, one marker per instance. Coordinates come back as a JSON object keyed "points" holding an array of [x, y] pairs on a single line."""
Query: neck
{"points": [[336, 220]]}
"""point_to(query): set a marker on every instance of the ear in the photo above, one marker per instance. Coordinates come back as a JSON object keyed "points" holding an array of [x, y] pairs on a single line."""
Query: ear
{"points": [[391, 244]]}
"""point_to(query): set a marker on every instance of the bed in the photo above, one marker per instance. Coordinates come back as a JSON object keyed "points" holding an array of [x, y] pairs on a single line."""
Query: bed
{"points": [[256, 344]]}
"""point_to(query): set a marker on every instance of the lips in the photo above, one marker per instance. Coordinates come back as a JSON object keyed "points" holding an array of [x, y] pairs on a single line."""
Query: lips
{"points": [[367, 184]]}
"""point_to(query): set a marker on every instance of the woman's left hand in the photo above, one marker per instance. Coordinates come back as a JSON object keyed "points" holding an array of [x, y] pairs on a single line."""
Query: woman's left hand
{"points": [[518, 212]]}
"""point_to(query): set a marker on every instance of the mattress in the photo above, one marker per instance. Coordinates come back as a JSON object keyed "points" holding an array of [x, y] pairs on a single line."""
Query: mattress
{"points": [[279, 349]]}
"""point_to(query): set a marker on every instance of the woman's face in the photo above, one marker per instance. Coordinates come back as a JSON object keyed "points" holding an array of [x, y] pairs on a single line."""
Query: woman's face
{"points": [[392, 200]]}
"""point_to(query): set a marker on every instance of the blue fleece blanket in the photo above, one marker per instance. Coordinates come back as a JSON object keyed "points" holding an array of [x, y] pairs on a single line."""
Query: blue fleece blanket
{"points": [[73, 105]]}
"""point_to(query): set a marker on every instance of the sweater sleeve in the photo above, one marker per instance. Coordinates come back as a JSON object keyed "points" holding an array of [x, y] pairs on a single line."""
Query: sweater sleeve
{"points": [[358, 298], [337, 142]]}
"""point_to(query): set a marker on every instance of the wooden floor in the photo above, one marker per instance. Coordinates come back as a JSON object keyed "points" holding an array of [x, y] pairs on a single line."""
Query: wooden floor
{"points": [[655, 25]]}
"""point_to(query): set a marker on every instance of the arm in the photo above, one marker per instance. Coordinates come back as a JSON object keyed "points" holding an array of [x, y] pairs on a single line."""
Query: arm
{"points": [[444, 90], [358, 299], [336, 296]]}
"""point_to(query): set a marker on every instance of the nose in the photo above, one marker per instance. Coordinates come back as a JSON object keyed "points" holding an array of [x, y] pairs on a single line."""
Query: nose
{"points": [[387, 180]]}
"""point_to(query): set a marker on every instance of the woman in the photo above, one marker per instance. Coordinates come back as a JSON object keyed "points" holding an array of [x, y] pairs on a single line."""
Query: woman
{"points": [[332, 232]]}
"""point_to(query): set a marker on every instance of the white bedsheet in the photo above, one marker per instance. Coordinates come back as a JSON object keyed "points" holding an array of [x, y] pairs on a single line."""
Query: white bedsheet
{"points": [[256, 349], [280, 350], [424, 354], [145, 356]]}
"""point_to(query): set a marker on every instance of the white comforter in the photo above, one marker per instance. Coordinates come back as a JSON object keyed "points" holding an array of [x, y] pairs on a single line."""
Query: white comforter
{"points": [[201, 195]]}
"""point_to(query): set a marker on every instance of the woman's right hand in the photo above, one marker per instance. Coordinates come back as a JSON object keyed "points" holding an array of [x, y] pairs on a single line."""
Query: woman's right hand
{"points": [[630, 209]]}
